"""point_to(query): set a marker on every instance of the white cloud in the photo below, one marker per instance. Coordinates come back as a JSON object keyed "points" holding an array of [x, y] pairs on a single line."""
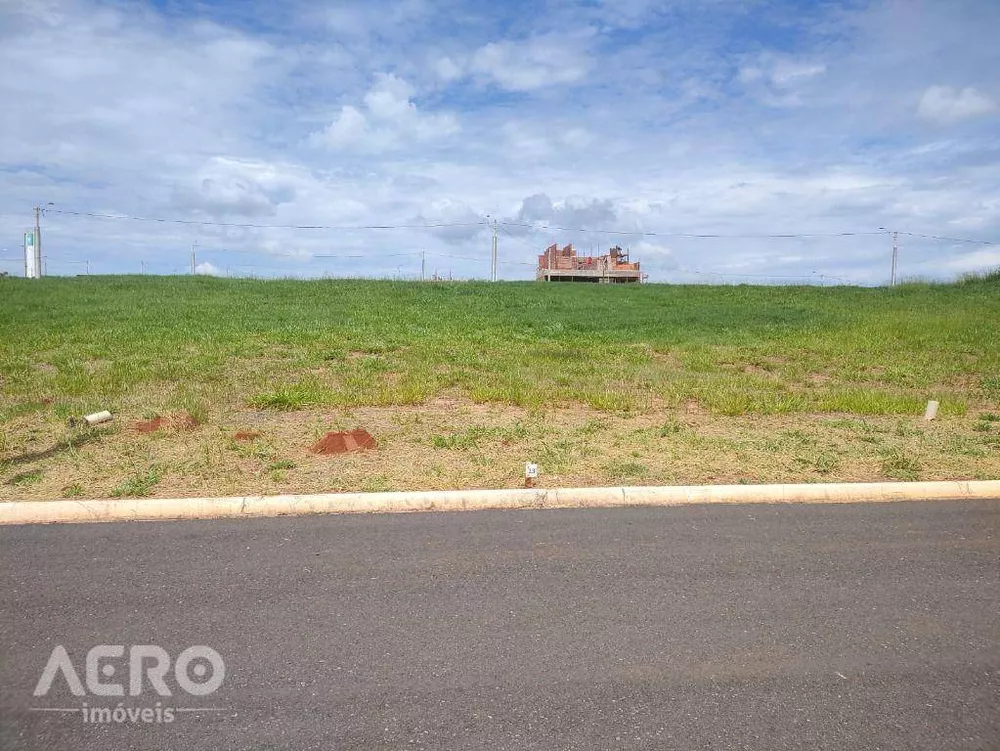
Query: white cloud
{"points": [[947, 105], [447, 70], [535, 63], [573, 211], [237, 187], [349, 127], [779, 80], [466, 223], [652, 253], [207, 269], [389, 120], [780, 71], [785, 73]]}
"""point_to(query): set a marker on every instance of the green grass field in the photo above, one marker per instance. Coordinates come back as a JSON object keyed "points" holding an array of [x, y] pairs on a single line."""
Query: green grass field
{"points": [[326, 353]]}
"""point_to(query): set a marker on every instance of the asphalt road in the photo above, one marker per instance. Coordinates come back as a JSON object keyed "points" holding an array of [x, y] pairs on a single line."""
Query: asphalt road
{"points": [[699, 627]]}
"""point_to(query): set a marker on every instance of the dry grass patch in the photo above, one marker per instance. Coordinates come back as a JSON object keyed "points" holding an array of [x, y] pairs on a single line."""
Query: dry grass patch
{"points": [[451, 444]]}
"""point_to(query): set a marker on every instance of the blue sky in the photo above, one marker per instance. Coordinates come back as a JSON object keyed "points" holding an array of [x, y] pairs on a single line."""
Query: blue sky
{"points": [[654, 120]]}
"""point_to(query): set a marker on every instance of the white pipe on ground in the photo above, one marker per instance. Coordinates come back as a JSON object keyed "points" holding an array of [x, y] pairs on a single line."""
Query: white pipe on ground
{"points": [[97, 418]]}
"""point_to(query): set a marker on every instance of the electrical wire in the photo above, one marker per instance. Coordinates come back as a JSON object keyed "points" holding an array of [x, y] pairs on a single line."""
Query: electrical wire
{"points": [[503, 225], [813, 275], [369, 255], [515, 238], [249, 225], [693, 236], [949, 239]]}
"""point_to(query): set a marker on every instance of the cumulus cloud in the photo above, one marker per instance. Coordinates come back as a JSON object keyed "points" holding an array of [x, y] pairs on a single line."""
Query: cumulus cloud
{"points": [[947, 105], [574, 211], [534, 63], [234, 187], [652, 254], [388, 119], [464, 222]]}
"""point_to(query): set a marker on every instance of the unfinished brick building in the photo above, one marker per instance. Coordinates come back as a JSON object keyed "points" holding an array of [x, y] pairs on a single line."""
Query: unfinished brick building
{"points": [[564, 265]]}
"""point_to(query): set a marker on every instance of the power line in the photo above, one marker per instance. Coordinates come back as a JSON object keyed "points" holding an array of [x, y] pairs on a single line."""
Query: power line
{"points": [[949, 239], [249, 225], [477, 260], [694, 236], [369, 256], [515, 238], [504, 224], [449, 255]]}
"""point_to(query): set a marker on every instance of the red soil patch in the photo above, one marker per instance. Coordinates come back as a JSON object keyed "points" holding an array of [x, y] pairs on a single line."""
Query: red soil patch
{"points": [[150, 426], [343, 442], [246, 435]]}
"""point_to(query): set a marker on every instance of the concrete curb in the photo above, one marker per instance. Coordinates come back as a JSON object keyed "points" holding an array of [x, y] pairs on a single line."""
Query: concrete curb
{"points": [[47, 512]]}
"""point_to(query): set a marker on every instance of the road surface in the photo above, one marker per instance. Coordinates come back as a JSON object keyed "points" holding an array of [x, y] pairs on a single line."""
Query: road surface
{"points": [[697, 627]]}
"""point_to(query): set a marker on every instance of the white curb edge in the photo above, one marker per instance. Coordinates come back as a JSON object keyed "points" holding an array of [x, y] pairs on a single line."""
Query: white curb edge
{"points": [[147, 509]]}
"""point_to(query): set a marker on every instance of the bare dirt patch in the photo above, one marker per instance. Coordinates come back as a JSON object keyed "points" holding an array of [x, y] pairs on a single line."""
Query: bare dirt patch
{"points": [[149, 426], [246, 435], [181, 421], [344, 442], [818, 379], [694, 408]]}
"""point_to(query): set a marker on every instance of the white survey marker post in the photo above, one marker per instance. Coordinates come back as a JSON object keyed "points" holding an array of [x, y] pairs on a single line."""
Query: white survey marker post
{"points": [[931, 412], [530, 474]]}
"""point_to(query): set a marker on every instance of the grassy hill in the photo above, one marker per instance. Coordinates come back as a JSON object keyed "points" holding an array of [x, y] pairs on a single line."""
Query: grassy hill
{"points": [[219, 348]]}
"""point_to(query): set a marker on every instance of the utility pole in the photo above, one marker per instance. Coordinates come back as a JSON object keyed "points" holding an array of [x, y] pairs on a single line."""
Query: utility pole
{"points": [[88, 267], [142, 267], [895, 257], [194, 257], [423, 264], [38, 240], [494, 275]]}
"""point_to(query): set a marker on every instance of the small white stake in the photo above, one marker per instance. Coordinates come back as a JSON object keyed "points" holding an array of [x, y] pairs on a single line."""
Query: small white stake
{"points": [[530, 474]]}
